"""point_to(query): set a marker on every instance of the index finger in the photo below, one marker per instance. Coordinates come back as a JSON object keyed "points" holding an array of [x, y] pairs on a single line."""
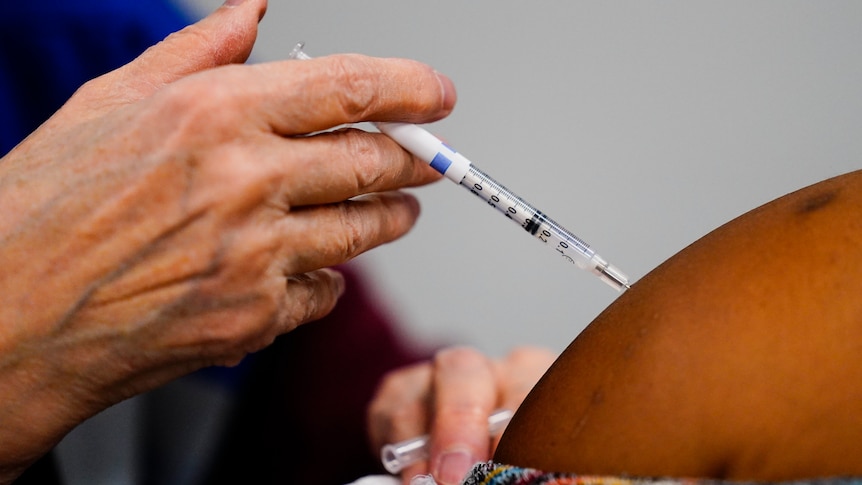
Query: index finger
{"points": [[298, 97], [465, 395]]}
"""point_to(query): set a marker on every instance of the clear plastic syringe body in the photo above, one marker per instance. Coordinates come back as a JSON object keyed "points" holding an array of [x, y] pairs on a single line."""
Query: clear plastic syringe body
{"points": [[569, 247], [460, 170], [398, 456]]}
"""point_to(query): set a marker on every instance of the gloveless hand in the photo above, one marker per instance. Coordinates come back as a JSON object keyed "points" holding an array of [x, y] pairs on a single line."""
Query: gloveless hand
{"points": [[450, 398], [174, 215]]}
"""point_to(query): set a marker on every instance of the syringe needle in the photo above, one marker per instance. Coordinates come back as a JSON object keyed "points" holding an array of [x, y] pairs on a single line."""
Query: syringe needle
{"points": [[460, 170]]}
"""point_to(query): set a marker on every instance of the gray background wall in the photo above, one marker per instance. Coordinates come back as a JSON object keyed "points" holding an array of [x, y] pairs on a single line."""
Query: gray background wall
{"points": [[640, 126]]}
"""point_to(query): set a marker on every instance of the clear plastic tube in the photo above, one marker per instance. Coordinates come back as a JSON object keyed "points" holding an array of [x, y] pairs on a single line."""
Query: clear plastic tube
{"points": [[397, 456]]}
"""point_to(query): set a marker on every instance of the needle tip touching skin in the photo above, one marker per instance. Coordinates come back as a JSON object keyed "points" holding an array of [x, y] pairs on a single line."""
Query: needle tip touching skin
{"points": [[737, 358]]}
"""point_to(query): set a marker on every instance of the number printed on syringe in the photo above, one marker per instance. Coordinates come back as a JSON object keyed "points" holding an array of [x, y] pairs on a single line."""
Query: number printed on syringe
{"points": [[528, 217], [570, 247], [460, 170]]}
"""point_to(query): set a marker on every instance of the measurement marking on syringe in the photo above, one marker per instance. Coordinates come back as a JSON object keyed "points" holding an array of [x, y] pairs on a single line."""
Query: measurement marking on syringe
{"points": [[532, 226], [460, 170]]}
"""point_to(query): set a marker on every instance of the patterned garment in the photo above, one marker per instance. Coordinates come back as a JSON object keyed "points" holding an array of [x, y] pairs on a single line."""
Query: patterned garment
{"points": [[497, 474]]}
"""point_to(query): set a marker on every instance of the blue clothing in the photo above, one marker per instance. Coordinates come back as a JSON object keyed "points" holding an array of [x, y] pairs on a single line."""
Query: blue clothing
{"points": [[292, 409], [48, 48]]}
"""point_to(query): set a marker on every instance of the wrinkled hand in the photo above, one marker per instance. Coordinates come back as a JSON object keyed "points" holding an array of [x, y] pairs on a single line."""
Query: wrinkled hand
{"points": [[450, 398], [174, 215]]}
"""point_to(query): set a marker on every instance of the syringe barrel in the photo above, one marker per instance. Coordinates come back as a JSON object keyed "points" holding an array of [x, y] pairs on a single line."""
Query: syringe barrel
{"points": [[460, 170], [568, 246]]}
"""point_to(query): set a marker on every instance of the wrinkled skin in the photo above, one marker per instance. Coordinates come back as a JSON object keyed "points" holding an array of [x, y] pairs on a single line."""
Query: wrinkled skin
{"points": [[173, 215]]}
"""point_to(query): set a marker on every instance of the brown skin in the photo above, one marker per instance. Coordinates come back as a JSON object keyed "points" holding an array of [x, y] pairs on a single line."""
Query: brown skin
{"points": [[174, 214], [737, 358]]}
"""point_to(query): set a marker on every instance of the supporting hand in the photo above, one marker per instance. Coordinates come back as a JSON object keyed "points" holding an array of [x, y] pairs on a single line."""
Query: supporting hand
{"points": [[451, 398]]}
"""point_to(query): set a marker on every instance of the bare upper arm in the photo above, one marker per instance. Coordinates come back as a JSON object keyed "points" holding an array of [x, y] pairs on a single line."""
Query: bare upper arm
{"points": [[739, 357]]}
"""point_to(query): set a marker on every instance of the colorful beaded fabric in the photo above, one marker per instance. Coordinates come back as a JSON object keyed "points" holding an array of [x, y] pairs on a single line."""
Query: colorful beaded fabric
{"points": [[497, 474]]}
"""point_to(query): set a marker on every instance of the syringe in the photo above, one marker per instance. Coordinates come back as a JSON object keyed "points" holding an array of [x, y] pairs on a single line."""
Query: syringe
{"points": [[460, 170]]}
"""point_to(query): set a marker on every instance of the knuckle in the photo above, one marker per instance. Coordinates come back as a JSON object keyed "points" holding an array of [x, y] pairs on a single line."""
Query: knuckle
{"points": [[352, 231], [390, 383], [462, 414], [459, 357], [303, 306], [364, 150], [354, 90], [90, 89], [310, 298], [404, 419], [245, 329], [395, 381], [525, 356], [521, 354], [193, 35], [197, 102]]}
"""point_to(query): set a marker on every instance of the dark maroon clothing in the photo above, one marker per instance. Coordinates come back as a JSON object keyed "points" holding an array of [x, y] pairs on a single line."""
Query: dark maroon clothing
{"points": [[302, 411]]}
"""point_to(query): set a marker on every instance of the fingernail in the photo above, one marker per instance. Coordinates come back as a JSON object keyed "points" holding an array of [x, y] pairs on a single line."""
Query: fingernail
{"points": [[413, 203], [449, 94], [233, 3], [342, 285], [453, 466], [338, 280]]}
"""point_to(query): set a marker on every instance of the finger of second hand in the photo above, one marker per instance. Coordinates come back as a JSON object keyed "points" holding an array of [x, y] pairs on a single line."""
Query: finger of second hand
{"points": [[321, 236], [465, 394], [399, 410], [519, 372]]}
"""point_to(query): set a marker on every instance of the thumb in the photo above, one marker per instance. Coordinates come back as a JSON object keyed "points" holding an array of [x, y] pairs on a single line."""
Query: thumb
{"points": [[225, 36]]}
